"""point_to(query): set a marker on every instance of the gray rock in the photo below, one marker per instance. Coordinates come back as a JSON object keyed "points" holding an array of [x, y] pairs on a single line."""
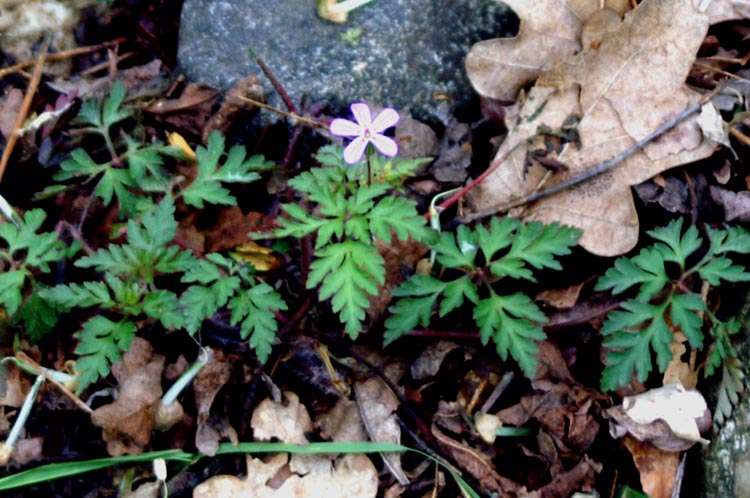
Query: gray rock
{"points": [[726, 461], [409, 52]]}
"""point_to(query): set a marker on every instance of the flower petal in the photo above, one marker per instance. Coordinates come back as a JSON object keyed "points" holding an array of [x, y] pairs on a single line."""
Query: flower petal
{"points": [[345, 128], [362, 114], [388, 117], [387, 146], [354, 151]]}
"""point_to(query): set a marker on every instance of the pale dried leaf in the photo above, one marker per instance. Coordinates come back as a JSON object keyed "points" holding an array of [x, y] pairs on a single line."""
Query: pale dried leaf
{"points": [[623, 90], [288, 422], [712, 125], [736, 204], [670, 417], [342, 422], [728, 10], [550, 31], [377, 406], [352, 476]]}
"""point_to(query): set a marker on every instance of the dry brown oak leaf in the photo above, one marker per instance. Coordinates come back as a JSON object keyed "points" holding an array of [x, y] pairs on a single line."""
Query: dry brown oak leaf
{"points": [[549, 33], [621, 91]]}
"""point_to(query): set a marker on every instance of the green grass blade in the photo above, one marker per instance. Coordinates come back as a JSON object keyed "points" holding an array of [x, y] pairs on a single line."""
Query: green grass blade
{"points": [[50, 472], [45, 473]]}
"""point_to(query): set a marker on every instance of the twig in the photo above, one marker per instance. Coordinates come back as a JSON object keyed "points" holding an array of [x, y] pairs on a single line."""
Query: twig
{"points": [[65, 54], [288, 102], [595, 171], [291, 115], [36, 77]]}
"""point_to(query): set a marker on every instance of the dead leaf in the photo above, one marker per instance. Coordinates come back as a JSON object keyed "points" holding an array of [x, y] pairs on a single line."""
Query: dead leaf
{"points": [[728, 10], [262, 258], [400, 257], [232, 229], [128, 421], [609, 88], [680, 371], [13, 386], [350, 476], [342, 422], [428, 363], [563, 484], [671, 418], [657, 467], [736, 204], [28, 450], [10, 106], [212, 377], [377, 407], [287, 422], [415, 139], [475, 463], [561, 299], [455, 154], [550, 31], [234, 106]]}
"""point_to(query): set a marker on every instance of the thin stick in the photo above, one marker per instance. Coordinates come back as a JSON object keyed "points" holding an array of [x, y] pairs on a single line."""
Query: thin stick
{"points": [[65, 54], [36, 77], [288, 102], [597, 170], [291, 115]]}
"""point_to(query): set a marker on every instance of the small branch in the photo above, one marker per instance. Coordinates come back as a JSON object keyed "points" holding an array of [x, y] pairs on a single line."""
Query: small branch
{"points": [[291, 115], [36, 77], [65, 54], [288, 102], [591, 173]]}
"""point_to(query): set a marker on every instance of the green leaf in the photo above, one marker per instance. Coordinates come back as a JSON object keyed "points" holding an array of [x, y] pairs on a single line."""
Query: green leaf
{"points": [[254, 310], [646, 269], [112, 112], [11, 284], [102, 343], [535, 245], [406, 314], [731, 239], [198, 303], [164, 306], [38, 317], [680, 247], [684, 312], [83, 295], [400, 215], [499, 236], [718, 269], [80, 164], [146, 253], [457, 251], [631, 334], [349, 272], [206, 187], [454, 293], [512, 323]]}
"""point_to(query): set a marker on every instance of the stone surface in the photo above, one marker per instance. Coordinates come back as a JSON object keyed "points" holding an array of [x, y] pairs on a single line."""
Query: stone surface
{"points": [[409, 52], [726, 461]]}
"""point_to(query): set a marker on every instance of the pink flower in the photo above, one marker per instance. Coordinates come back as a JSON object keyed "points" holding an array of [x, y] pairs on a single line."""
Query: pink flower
{"points": [[366, 131]]}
